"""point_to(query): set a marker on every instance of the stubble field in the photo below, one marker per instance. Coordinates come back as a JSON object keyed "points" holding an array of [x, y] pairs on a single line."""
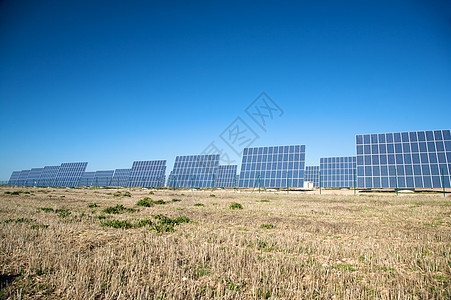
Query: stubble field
{"points": [[99, 244]]}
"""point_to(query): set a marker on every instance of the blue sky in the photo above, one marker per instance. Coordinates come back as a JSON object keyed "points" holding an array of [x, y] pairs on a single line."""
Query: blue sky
{"points": [[110, 82]]}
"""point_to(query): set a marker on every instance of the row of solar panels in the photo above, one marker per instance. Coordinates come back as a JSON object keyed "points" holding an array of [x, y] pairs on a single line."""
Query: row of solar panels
{"points": [[416, 159], [142, 174], [420, 159]]}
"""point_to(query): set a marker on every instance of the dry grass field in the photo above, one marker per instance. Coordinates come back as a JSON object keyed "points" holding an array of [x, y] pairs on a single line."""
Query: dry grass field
{"points": [[99, 244]]}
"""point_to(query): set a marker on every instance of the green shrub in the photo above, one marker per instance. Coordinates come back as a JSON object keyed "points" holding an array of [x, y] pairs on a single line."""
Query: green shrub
{"points": [[160, 228], [47, 209], [62, 213], [117, 224], [142, 223], [264, 200], [182, 219], [119, 194], [92, 205], [267, 226], [176, 200], [151, 193], [19, 220], [235, 205], [166, 224], [146, 202], [212, 195], [15, 193], [7, 193], [118, 209], [37, 226], [199, 204]]}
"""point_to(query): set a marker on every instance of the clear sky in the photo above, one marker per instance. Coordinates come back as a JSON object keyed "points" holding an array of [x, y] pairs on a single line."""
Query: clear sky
{"points": [[110, 82]]}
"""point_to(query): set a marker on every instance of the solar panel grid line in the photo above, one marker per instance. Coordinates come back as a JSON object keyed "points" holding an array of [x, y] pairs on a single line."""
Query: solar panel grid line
{"points": [[226, 176], [194, 171], [147, 173], [22, 180], [69, 174], [273, 166], [414, 159], [337, 172], [48, 176], [13, 180], [312, 175], [103, 178], [87, 179], [121, 177], [33, 176]]}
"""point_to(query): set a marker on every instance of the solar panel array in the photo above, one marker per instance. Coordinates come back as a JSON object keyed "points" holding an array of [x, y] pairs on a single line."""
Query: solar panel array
{"points": [[337, 172], [33, 176], [226, 176], [22, 180], [194, 171], [417, 159], [312, 175], [278, 166], [48, 175], [171, 182], [87, 179], [13, 180], [69, 174], [121, 177], [103, 178], [148, 173]]}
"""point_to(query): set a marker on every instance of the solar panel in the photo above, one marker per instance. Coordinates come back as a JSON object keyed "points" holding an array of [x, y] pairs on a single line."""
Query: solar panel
{"points": [[14, 178], [147, 173], [337, 172], [312, 175], [87, 179], [416, 159], [48, 176], [121, 177], [33, 176], [278, 166], [226, 176], [163, 180], [194, 171], [69, 174], [103, 178], [171, 181], [22, 180]]}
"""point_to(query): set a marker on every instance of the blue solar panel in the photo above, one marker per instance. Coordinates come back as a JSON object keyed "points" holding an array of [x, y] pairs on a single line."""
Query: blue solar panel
{"points": [[13, 180], [22, 180], [312, 175], [337, 172], [416, 159], [34, 176], [87, 179], [48, 176], [171, 180], [278, 166], [103, 178], [148, 173], [226, 176], [69, 174], [196, 171], [121, 177]]}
